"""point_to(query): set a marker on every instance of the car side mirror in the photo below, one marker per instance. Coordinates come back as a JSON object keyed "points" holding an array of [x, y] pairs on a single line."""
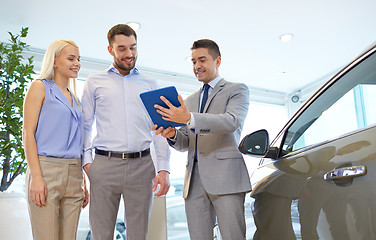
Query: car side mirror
{"points": [[256, 143]]}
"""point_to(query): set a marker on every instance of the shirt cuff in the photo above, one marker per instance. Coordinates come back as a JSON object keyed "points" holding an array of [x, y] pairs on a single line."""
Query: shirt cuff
{"points": [[191, 123], [163, 165], [172, 140], [87, 157]]}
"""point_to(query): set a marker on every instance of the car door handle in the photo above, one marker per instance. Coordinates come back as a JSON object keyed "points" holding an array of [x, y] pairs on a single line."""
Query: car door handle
{"points": [[346, 172]]}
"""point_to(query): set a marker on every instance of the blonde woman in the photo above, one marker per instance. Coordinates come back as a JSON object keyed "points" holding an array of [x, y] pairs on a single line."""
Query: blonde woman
{"points": [[52, 136]]}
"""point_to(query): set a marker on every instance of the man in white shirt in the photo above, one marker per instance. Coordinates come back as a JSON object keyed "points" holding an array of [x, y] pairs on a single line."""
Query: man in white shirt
{"points": [[122, 164]]}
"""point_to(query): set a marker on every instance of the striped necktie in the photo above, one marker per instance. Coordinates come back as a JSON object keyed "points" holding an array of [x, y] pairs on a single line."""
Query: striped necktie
{"points": [[203, 102], [204, 97]]}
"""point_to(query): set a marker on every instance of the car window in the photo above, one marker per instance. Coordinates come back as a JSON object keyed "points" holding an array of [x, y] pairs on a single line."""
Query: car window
{"points": [[347, 105]]}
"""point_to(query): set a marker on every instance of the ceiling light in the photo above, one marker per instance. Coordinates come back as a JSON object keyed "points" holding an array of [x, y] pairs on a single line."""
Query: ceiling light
{"points": [[134, 25], [295, 99], [286, 37]]}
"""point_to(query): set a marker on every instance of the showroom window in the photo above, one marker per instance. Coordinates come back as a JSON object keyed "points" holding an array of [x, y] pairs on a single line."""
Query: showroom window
{"points": [[348, 104]]}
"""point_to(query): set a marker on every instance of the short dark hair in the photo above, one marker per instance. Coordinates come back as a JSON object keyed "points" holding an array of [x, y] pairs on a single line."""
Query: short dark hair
{"points": [[212, 47], [123, 29]]}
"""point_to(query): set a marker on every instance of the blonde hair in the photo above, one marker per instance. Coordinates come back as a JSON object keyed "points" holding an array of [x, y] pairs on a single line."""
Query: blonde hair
{"points": [[47, 71]]}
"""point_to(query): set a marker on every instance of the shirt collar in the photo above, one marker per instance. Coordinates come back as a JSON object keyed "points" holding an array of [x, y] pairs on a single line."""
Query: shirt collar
{"points": [[113, 69], [214, 82]]}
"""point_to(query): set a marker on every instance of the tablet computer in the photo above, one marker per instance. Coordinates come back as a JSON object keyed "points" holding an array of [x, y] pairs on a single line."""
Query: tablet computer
{"points": [[151, 98]]}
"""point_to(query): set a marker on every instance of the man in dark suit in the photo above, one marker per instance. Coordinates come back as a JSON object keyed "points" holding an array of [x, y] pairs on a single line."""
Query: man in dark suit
{"points": [[216, 178]]}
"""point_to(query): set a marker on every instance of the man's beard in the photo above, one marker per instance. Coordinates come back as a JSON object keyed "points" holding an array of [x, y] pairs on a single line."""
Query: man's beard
{"points": [[125, 67]]}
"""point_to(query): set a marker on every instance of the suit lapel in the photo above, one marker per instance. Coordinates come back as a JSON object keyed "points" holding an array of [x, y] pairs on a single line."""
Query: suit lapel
{"points": [[196, 101]]}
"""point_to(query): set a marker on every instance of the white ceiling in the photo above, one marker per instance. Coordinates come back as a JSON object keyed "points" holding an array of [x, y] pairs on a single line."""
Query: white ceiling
{"points": [[328, 33]]}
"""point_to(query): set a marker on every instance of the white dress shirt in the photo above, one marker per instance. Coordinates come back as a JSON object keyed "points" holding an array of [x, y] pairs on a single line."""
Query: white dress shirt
{"points": [[122, 122], [212, 84]]}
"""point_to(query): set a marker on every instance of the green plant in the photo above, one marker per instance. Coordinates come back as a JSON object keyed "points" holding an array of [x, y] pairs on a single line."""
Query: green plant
{"points": [[15, 74]]}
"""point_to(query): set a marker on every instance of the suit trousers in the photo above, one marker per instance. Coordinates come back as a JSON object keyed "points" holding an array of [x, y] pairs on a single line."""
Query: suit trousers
{"points": [[109, 179], [58, 219], [202, 208]]}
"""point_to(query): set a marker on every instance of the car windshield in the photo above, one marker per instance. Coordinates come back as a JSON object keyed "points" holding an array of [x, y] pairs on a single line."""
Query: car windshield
{"points": [[345, 106]]}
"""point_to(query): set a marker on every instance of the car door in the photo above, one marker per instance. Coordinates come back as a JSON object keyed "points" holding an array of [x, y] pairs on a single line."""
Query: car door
{"points": [[317, 180]]}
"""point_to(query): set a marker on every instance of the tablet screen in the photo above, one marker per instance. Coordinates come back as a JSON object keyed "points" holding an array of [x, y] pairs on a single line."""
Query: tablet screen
{"points": [[153, 97]]}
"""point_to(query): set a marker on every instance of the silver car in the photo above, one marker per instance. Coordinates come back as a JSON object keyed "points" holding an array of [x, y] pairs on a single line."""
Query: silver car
{"points": [[317, 178]]}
